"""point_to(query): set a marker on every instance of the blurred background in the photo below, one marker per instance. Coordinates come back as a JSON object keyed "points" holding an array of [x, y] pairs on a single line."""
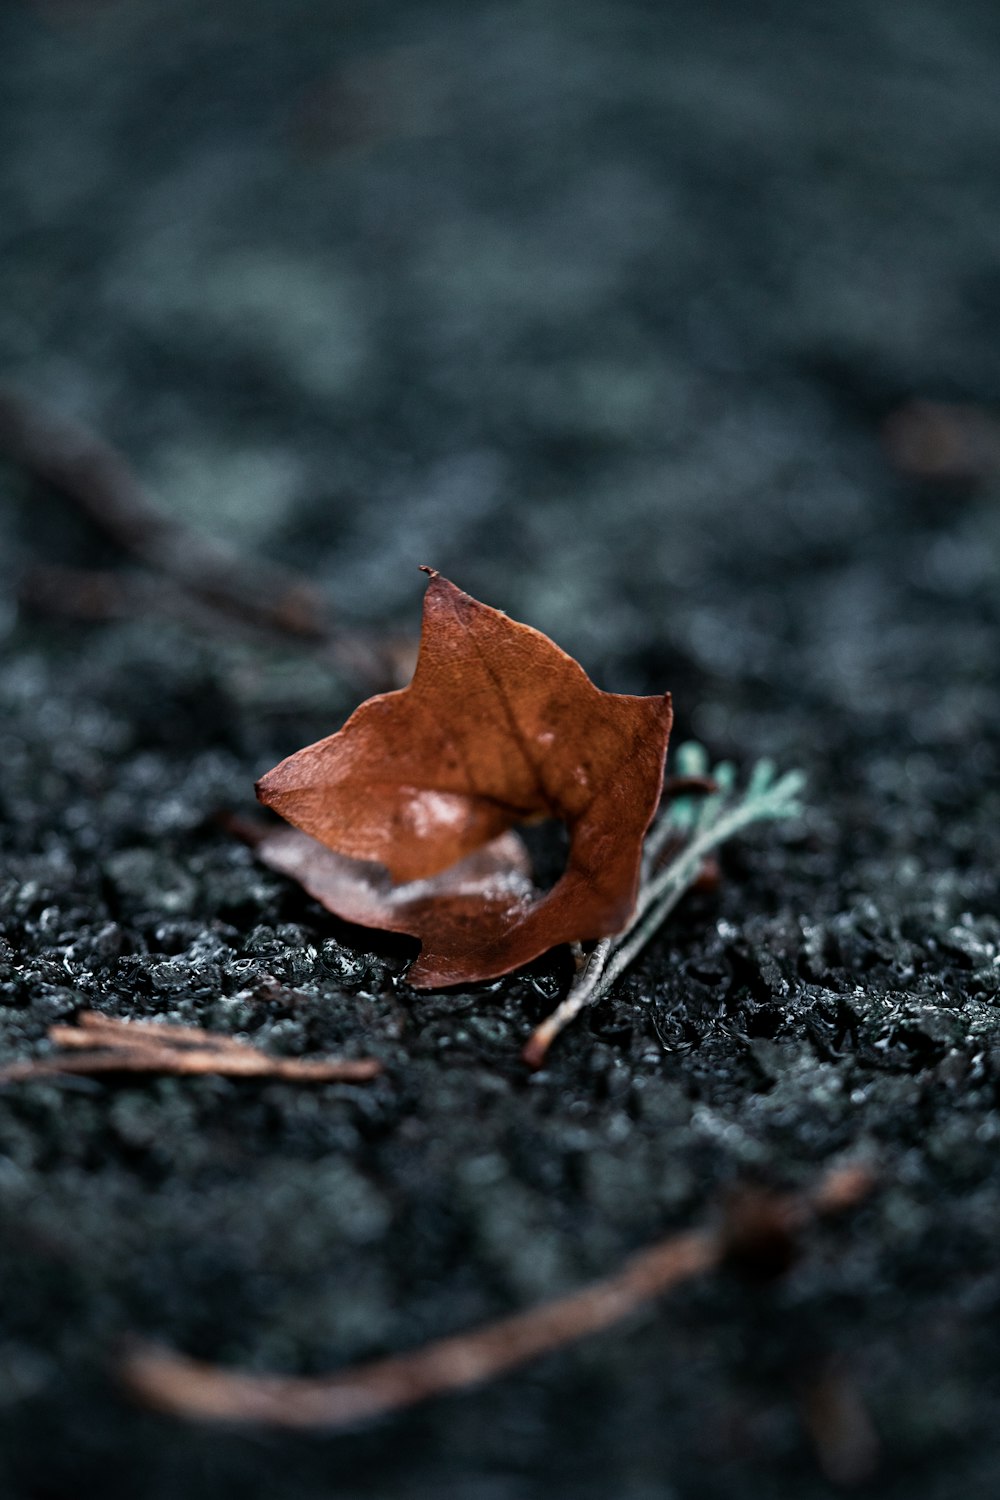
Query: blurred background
{"points": [[590, 306], [672, 329]]}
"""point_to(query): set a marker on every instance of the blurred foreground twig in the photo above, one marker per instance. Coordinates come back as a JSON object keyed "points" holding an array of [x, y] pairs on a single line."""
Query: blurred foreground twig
{"points": [[170, 1382]]}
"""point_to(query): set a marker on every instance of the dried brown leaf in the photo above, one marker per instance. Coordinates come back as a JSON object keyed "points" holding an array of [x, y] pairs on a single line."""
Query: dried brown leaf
{"points": [[498, 727]]}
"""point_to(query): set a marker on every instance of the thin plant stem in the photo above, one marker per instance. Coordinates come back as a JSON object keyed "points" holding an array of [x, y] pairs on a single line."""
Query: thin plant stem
{"points": [[581, 994], [699, 830]]}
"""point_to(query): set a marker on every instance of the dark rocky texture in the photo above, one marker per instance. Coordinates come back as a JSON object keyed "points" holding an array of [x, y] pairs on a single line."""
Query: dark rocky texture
{"points": [[600, 310]]}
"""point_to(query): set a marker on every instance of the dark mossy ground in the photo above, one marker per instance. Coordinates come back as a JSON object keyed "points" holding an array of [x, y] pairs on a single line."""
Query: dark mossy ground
{"points": [[600, 309]]}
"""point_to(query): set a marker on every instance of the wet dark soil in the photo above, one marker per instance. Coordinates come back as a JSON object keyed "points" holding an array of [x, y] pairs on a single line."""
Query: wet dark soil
{"points": [[601, 310]]}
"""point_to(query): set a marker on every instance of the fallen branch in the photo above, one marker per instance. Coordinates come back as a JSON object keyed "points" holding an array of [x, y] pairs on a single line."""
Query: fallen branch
{"points": [[679, 849], [170, 1382], [105, 1044], [92, 474], [188, 568]]}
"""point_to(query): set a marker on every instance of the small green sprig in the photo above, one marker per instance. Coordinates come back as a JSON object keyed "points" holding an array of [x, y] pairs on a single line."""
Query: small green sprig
{"points": [[688, 829]]}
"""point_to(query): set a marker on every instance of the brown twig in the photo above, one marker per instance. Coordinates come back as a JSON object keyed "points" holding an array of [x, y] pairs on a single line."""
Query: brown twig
{"points": [[190, 1388], [186, 1387], [88, 471], [106, 1044], [137, 1033], [188, 568]]}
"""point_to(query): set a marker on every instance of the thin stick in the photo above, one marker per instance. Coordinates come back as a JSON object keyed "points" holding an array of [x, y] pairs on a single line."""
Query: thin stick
{"points": [[98, 479], [194, 575], [107, 1044], [171, 1382], [192, 1063], [581, 994], [157, 1031]]}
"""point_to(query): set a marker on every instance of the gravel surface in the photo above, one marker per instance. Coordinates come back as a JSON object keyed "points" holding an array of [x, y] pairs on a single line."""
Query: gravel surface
{"points": [[602, 310]]}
